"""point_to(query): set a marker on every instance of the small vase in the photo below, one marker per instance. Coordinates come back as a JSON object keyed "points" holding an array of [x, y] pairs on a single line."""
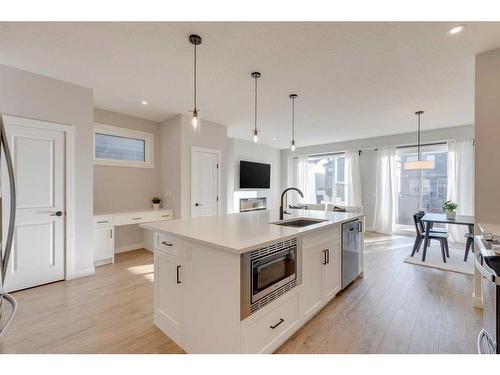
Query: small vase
{"points": [[156, 206], [450, 215]]}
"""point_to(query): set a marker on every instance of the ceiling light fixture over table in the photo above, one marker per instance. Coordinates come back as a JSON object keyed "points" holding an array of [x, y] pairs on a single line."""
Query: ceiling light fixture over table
{"points": [[195, 120], [419, 164], [255, 131]]}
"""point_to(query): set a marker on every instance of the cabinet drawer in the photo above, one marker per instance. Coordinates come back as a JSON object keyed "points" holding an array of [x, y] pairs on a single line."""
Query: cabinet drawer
{"points": [[327, 234], [270, 330], [135, 218], [164, 215], [169, 244], [103, 221]]}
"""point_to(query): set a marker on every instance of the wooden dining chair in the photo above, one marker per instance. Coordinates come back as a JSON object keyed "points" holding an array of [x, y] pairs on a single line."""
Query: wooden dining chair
{"points": [[441, 237]]}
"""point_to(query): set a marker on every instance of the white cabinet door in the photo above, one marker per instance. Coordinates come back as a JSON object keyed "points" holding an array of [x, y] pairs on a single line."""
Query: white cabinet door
{"points": [[331, 272], [167, 295], [312, 298], [103, 245]]}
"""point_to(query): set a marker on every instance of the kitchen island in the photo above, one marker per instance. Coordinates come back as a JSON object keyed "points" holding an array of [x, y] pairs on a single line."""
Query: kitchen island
{"points": [[244, 283]]}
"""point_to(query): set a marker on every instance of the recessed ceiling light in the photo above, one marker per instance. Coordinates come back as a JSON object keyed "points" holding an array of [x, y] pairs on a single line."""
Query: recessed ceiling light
{"points": [[456, 29], [274, 139], [144, 102]]}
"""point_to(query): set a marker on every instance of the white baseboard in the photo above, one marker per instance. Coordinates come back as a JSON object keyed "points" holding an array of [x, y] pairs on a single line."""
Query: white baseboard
{"points": [[81, 273], [130, 247]]}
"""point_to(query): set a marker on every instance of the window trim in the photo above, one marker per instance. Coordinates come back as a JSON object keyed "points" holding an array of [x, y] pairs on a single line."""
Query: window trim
{"points": [[148, 138]]}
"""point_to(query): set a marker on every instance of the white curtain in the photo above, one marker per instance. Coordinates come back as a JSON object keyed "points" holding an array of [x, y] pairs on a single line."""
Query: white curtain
{"points": [[352, 179], [300, 179], [385, 191], [461, 182]]}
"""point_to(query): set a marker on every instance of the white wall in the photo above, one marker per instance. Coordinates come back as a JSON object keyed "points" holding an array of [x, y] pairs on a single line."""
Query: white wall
{"points": [[118, 189], [368, 158], [240, 149], [30, 95]]}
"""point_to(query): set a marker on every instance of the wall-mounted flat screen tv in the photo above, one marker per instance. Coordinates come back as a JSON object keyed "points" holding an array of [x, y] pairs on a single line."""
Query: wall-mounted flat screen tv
{"points": [[254, 175]]}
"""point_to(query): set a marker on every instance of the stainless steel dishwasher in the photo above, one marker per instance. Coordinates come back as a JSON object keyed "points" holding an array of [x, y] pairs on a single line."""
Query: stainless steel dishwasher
{"points": [[351, 251]]}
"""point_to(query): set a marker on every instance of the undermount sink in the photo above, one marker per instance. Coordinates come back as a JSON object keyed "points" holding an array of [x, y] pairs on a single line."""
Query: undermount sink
{"points": [[300, 222]]}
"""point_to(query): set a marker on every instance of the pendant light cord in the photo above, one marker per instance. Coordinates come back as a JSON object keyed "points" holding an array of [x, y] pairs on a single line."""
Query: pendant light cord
{"points": [[293, 119], [195, 78], [255, 109], [418, 136]]}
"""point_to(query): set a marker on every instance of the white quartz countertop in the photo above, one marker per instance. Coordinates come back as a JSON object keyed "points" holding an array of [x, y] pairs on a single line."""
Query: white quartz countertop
{"points": [[243, 232]]}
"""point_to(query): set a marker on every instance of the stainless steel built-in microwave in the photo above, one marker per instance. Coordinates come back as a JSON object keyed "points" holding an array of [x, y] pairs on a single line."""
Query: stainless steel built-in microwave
{"points": [[268, 273]]}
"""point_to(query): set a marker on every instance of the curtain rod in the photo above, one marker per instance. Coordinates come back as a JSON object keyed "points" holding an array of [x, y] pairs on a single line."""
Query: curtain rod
{"points": [[377, 148]]}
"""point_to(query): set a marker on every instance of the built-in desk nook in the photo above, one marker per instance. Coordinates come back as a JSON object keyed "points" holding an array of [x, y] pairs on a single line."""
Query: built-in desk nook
{"points": [[104, 229]]}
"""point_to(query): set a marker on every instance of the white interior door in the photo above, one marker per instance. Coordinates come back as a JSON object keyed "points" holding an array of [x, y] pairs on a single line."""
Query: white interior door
{"points": [[38, 249], [204, 182]]}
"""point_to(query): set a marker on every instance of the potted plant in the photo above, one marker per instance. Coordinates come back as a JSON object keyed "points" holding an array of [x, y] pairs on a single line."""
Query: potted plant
{"points": [[156, 203], [450, 209]]}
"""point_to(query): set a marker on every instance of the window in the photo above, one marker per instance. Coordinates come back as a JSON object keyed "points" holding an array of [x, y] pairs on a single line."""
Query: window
{"points": [[115, 146], [326, 182], [421, 189]]}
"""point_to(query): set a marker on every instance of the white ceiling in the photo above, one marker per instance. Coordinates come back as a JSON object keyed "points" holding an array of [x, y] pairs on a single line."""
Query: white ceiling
{"points": [[354, 80]]}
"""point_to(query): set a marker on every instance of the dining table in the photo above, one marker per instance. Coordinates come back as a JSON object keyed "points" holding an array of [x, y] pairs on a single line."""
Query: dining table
{"points": [[430, 219]]}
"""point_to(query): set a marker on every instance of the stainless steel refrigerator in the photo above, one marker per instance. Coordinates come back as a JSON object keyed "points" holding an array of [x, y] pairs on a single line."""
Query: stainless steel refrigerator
{"points": [[8, 304]]}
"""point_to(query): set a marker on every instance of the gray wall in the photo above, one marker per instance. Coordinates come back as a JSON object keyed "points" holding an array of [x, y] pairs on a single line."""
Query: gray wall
{"points": [[170, 156], [122, 188], [177, 137], [240, 149], [368, 159], [30, 95], [487, 129]]}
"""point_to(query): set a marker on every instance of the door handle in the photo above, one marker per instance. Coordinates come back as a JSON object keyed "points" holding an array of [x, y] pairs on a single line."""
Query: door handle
{"points": [[178, 274], [198, 204], [277, 324], [57, 213], [325, 259], [166, 243], [328, 256]]}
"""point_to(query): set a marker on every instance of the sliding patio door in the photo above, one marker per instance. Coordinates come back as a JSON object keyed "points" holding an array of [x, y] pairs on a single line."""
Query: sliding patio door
{"points": [[421, 189]]}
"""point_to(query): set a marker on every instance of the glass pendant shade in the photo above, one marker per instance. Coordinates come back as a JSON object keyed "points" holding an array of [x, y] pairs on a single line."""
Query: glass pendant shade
{"points": [[195, 121], [255, 137]]}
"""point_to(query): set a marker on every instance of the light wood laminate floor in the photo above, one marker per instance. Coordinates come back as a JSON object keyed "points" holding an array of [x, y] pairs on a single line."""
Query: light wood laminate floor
{"points": [[395, 308]]}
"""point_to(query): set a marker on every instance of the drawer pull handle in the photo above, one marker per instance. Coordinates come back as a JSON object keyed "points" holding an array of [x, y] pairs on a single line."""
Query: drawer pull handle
{"points": [[178, 276], [167, 243], [136, 218], [325, 257], [102, 222], [277, 324]]}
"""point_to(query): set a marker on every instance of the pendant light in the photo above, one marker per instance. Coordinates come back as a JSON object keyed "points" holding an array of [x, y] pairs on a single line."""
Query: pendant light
{"points": [[419, 164], [195, 40], [292, 143], [255, 131]]}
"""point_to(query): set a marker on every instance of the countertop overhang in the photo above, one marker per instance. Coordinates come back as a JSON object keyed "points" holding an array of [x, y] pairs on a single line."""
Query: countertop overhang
{"points": [[243, 232]]}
